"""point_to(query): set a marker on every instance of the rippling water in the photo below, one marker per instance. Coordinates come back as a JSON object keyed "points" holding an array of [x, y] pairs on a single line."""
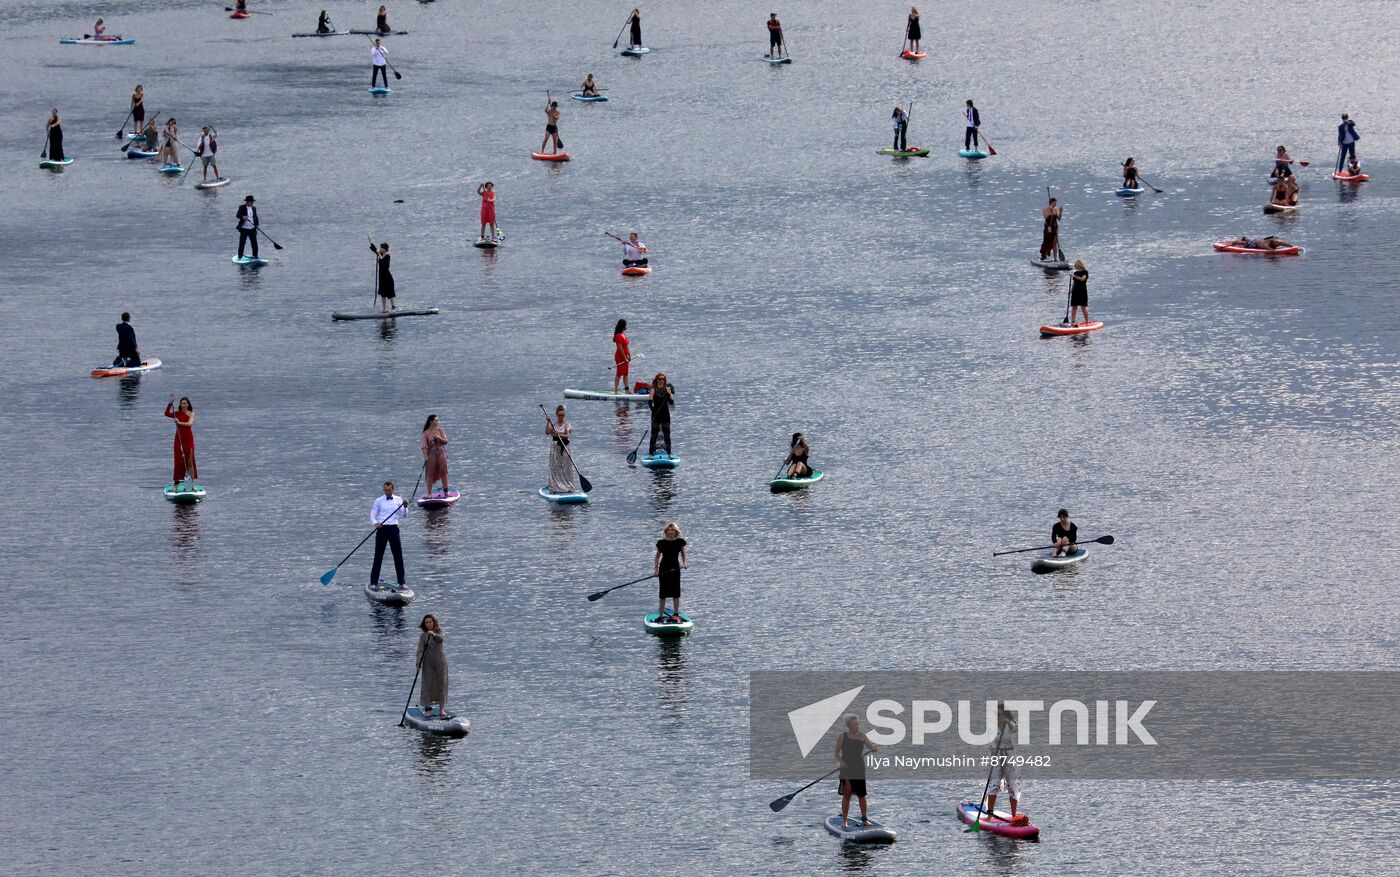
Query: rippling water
{"points": [[182, 692]]}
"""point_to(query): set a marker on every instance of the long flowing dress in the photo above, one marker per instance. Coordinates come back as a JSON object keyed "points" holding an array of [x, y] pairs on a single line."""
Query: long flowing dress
{"points": [[435, 455], [184, 444], [56, 143], [433, 669], [561, 472]]}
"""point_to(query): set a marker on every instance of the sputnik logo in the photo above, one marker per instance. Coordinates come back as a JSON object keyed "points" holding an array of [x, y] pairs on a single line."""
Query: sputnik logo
{"points": [[811, 722]]}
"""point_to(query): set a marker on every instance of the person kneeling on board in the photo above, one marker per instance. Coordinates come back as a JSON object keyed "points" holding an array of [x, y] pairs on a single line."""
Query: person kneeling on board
{"points": [[1064, 534], [1130, 180], [1003, 772], [385, 514], [797, 457], [128, 353], [850, 755]]}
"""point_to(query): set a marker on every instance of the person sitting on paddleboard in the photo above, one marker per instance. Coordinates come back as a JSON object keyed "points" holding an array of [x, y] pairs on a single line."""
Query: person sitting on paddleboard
{"points": [[660, 400], [183, 415], [487, 191], [634, 252], [561, 471], [851, 745], [1346, 141], [323, 24], [775, 36], [138, 108], [634, 40], [798, 450], [434, 447], [666, 565], [385, 514], [974, 125], [379, 63], [53, 129], [1064, 534], [208, 147], [432, 667], [912, 31], [169, 154], [152, 135], [247, 216], [900, 122], [1003, 772], [384, 280], [1282, 162], [99, 29], [1050, 231], [622, 356], [589, 87], [1130, 169], [128, 352], [1353, 168], [1079, 292], [381, 21], [1291, 190], [551, 127]]}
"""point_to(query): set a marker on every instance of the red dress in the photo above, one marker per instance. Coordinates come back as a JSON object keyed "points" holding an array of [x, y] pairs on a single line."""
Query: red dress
{"points": [[622, 354], [184, 443], [488, 208]]}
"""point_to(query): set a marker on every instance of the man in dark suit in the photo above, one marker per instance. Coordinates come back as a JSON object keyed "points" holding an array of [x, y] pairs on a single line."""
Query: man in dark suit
{"points": [[1346, 141], [128, 354], [247, 226]]}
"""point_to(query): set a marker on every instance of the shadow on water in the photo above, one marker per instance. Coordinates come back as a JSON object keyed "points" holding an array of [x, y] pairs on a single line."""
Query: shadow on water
{"points": [[662, 494], [434, 752], [128, 391], [184, 541]]}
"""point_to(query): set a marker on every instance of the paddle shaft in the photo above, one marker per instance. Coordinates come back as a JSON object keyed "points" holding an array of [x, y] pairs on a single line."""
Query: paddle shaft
{"points": [[595, 597], [785, 800], [417, 666], [981, 802], [387, 62], [582, 482], [326, 579], [624, 29], [122, 129], [277, 246], [1149, 185], [1102, 540], [125, 146]]}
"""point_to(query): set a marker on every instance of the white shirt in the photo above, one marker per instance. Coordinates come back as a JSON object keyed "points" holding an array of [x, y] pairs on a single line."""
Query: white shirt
{"points": [[897, 121], [968, 113], [250, 217], [204, 143], [633, 251], [379, 56], [387, 510]]}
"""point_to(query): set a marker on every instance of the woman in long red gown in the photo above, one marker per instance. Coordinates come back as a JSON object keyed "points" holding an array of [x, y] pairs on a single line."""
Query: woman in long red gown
{"points": [[184, 438]]}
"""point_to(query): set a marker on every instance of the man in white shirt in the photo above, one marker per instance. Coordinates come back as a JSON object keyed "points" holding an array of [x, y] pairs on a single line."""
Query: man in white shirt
{"points": [[385, 514], [379, 57], [634, 252]]}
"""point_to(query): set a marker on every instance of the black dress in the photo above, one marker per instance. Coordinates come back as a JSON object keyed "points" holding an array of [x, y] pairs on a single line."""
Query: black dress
{"points": [[670, 568], [1079, 288], [56, 143], [914, 32], [386, 280]]}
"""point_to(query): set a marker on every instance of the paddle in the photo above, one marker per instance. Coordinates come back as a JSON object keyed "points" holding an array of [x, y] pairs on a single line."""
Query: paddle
{"points": [[44, 153], [629, 359], [632, 457], [191, 167], [778, 805], [249, 11], [594, 598], [1102, 540], [905, 45], [624, 28], [417, 666], [330, 573], [991, 150], [396, 73], [977, 823], [1149, 185], [582, 482], [125, 146], [122, 129], [275, 245]]}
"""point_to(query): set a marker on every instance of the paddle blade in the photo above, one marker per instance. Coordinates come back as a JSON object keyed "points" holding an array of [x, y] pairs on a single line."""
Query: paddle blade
{"points": [[975, 826], [778, 805], [991, 150], [330, 574], [1104, 540], [594, 598], [585, 484], [398, 75], [632, 459]]}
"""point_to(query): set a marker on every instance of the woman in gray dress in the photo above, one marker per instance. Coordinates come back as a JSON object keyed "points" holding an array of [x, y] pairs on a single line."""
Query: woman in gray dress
{"points": [[561, 471], [432, 667]]}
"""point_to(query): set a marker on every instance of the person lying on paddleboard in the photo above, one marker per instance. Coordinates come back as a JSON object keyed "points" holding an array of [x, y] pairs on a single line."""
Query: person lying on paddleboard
{"points": [[851, 745], [128, 352], [634, 40], [798, 450], [1079, 292], [1130, 169], [775, 36], [1050, 230], [589, 87], [912, 32], [432, 667], [974, 127], [551, 127], [381, 21], [384, 280], [561, 471], [666, 565], [1064, 534], [487, 191], [899, 121], [660, 400], [323, 24], [1005, 773], [622, 356], [1268, 243], [207, 150], [434, 447], [1346, 141]]}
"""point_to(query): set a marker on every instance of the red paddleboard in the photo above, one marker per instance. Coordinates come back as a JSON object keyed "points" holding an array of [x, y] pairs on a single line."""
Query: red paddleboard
{"points": [[912, 56], [241, 15], [550, 156], [635, 271], [1351, 178], [997, 822], [1066, 329]]}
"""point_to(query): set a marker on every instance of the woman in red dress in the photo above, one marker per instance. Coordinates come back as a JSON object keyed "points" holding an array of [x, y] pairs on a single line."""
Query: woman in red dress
{"points": [[622, 356], [184, 438], [487, 191]]}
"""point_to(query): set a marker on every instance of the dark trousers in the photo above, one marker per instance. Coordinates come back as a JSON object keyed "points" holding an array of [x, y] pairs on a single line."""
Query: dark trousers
{"points": [[657, 428], [901, 135], [248, 235], [635, 263], [970, 139], [377, 71], [387, 535], [1345, 151], [127, 360]]}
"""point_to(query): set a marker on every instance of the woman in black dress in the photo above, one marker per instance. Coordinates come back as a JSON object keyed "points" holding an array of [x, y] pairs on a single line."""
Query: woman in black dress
{"points": [[661, 401], [384, 281], [914, 34], [666, 565], [54, 128], [634, 39], [797, 457], [1079, 292]]}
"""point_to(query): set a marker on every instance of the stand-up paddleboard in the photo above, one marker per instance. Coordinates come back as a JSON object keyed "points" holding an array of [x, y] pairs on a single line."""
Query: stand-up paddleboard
{"points": [[213, 184], [656, 627], [550, 156], [635, 51], [390, 594], [171, 169], [661, 460], [142, 153], [239, 16], [121, 371], [50, 164], [973, 154], [380, 33], [911, 152], [859, 832], [996, 822], [786, 484], [1051, 264], [913, 56], [439, 500], [89, 41], [593, 99], [330, 33], [574, 498], [183, 493], [1066, 329], [384, 315], [249, 261], [1351, 178], [1048, 563], [1280, 208], [636, 271], [1227, 247], [780, 60], [489, 244], [433, 723], [380, 89], [1125, 192], [605, 395]]}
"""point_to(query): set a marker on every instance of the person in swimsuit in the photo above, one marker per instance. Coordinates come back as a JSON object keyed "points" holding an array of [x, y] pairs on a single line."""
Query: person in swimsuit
{"points": [[1279, 193], [206, 151], [138, 108], [434, 447], [1269, 243], [184, 440], [634, 253], [128, 351], [1130, 174], [900, 122], [589, 87], [551, 127], [634, 40], [379, 63], [169, 154], [323, 24], [912, 32], [1064, 534], [1050, 232], [1079, 292], [99, 29], [53, 129], [561, 471], [666, 565], [1281, 163], [384, 281], [487, 191], [974, 126], [851, 745], [1291, 191], [1004, 772], [622, 356], [777, 47], [796, 460], [660, 400], [381, 21]]}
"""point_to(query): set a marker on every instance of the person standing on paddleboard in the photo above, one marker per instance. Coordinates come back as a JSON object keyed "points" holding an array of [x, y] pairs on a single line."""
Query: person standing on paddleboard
{"points": [[634, 252], [208, 147], [138, 108], [487, 191], [851, 745], [900, 122], [434, 447], [1346, 141], [1050, 231], [379, 61], [169, 150], [974, 125], [1064, 534], [385, 514], [666, 565], [247, 225], [661, 400], [383, 279], [796, 460], [1003, 772], [561, 471], [551, 127], [1130, 171], [53, 129], [128, 352], [323, 24], [776, 43], [184, 440], [381, 21], [634, 40], [432, 667], [622, 356], [912, 32], [1079, 292]]}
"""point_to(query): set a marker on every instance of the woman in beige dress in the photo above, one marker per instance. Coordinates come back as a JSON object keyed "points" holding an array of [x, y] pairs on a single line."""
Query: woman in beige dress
{"points": [[434, 446], [432, 665], [561, 471]]}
